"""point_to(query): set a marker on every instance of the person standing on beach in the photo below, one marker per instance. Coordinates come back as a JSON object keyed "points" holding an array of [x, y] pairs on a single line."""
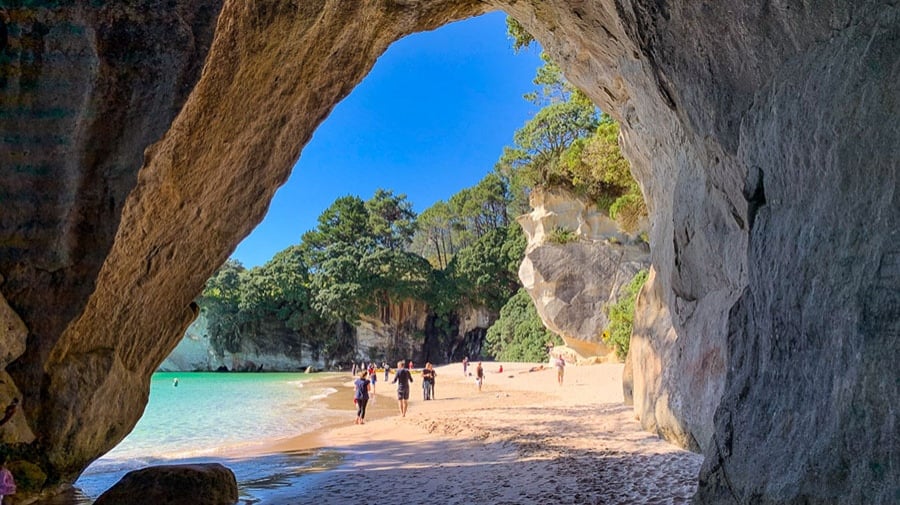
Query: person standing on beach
{"points": [[403, 379], [387, 371], [479, 375], [465, 365], [560, 369], [361, 396], [428, 375]]}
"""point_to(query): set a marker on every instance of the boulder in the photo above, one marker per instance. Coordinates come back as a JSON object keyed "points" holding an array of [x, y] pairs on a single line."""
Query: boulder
{"points": [[13, 334], [195, 484], [572, 283]]}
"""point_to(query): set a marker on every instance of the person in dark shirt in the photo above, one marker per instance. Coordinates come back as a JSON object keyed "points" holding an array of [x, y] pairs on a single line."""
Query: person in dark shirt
{"points": [[428, 375], [361, 396], [403, 379]]}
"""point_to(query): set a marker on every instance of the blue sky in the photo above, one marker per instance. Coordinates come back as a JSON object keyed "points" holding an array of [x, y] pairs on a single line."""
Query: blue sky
{"points": [[429, 120]]}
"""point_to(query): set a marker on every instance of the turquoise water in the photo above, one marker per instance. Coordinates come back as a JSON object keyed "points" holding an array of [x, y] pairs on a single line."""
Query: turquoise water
{"points": [[212, 416]]}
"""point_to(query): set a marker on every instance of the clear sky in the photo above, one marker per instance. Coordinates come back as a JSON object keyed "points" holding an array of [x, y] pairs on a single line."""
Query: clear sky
{"points": [[430, 119]]}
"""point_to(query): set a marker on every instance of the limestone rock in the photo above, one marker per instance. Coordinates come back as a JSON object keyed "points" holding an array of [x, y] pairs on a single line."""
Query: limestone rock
{"points": [[676, 382], [13, 334], [380, 336], [572, 283], [197, 484]]}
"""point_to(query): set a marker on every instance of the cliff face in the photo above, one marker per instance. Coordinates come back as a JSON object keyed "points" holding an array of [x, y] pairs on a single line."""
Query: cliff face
{"points": [[400, 330], [195, 352], [759, 132], [572, 283]]}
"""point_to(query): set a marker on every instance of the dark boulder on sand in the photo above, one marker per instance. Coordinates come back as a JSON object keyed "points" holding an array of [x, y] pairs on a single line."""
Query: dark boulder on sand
{"points": [[199, 484]]}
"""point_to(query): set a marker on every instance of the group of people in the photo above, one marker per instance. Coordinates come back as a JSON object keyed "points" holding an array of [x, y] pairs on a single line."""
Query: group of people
{"points": [[365, 384], [479, 372]]}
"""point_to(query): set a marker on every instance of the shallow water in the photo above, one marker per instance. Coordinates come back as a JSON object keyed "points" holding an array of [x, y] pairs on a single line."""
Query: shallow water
{"points": [[219, 417]]}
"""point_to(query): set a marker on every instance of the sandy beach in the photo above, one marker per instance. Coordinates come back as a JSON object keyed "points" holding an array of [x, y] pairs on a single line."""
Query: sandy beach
{"points": [[522, 439]]}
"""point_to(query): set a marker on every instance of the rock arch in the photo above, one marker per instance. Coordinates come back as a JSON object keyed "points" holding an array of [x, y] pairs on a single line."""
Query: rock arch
{"points": [[142, 142]]}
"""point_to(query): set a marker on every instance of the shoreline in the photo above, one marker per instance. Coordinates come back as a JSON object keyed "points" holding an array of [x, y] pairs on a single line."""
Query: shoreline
{"points": [[523, 439]]}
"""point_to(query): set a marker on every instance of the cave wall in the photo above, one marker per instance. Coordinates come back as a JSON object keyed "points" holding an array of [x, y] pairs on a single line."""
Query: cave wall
{"points": [[764, 135]]}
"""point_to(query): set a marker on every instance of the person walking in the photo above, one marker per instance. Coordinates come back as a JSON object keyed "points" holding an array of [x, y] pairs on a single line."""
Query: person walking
{"points": [[387, 371], [403, 379], [465, 365], [428, 375], [361, 396], [479, 375]]}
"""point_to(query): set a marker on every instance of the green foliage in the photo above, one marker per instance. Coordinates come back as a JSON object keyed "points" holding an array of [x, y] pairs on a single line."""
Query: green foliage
{"points": [[562, 236], [566, 145], [246, 306], [221, 300], [481, 272], [595, 168], [540, 144], [345, 221], [521, 38], [621, 316], [519, 334], [628, 210], [445, 228], [392, 221]]}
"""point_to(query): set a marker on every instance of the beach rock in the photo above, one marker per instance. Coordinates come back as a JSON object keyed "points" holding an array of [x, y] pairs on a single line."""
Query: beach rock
{"points": [[29, 477], [764, 136], [197, 484], [13, 334], [572, 283]]}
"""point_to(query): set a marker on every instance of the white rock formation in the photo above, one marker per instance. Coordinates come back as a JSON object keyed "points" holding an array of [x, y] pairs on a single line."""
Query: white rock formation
{"points": [[572, 283]]}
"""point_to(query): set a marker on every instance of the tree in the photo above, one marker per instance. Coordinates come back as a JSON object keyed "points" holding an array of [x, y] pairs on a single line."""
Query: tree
{"points": [[537, 156], [392, 221], [220, 301], [519, 334], [434, 237], [596, 169], [344, 221], [481, 271]]}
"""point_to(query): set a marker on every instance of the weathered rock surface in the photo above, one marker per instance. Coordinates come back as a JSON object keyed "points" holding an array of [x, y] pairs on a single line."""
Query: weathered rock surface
{"points": [[572, 283], [195, 352], [198, 484], [381, 336], [764, 135], [396, 330]]}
